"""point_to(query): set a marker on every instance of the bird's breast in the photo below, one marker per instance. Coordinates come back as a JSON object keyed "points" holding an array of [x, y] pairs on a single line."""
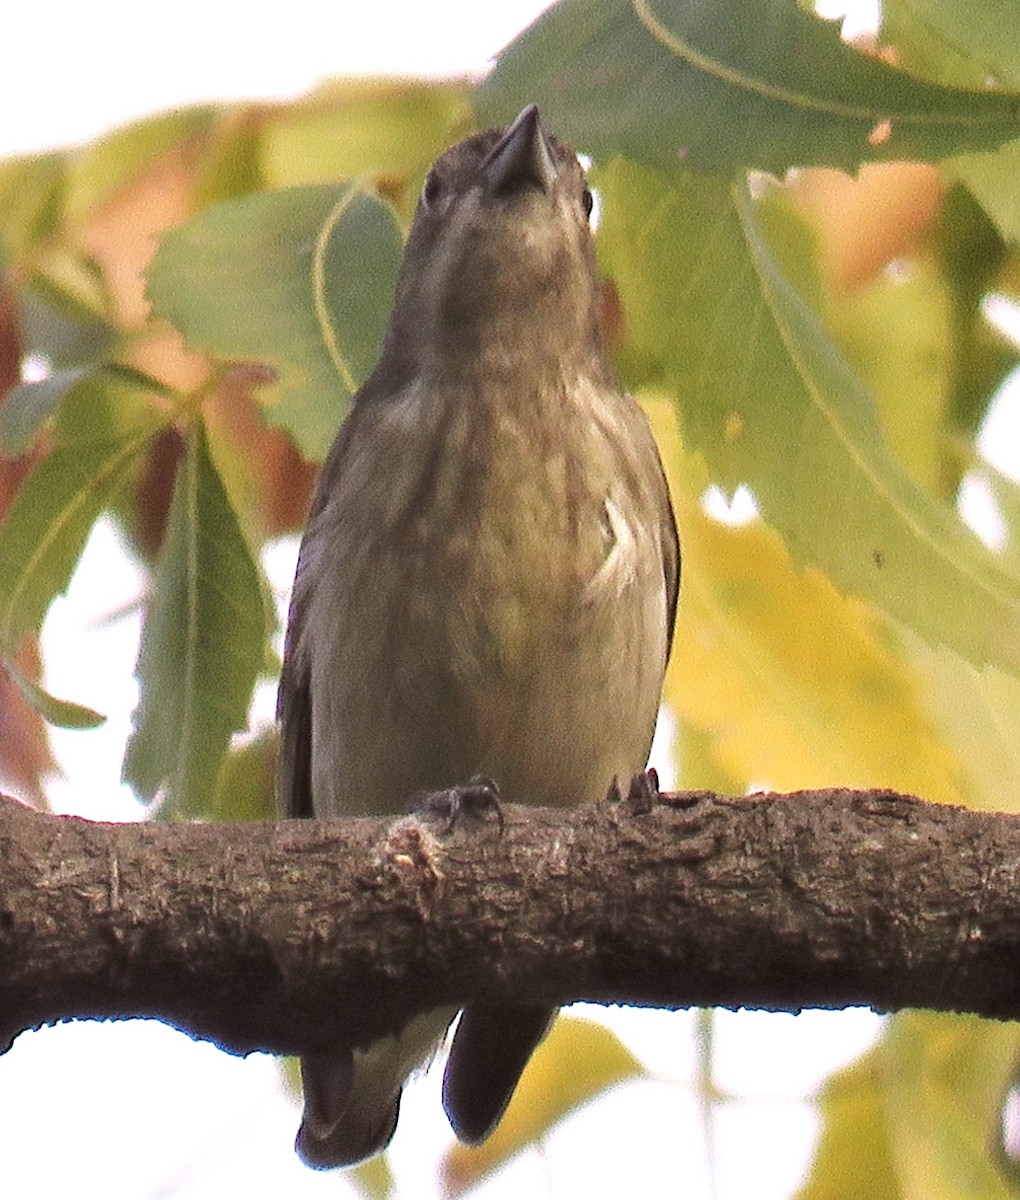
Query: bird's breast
{"points": [[512, 565]]}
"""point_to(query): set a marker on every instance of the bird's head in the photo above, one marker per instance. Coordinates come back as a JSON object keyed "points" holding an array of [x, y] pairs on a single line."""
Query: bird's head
{"points": [[500, 259]]}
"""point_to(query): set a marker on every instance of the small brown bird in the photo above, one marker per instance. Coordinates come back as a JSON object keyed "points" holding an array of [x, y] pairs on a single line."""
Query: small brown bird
{"points": [[488, 580]]}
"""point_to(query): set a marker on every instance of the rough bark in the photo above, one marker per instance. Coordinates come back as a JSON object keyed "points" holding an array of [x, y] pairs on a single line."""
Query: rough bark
{"points": [[286, 936]]}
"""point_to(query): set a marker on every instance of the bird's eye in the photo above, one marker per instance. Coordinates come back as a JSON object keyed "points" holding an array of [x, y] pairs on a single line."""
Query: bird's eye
{"points": [[587, 202], [431, 191]]}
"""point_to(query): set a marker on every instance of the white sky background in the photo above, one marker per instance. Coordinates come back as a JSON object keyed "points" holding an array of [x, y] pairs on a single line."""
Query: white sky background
{"points": [[136, 1110]]}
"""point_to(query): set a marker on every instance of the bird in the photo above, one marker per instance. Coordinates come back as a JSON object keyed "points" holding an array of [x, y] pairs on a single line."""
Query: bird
{"points": [[487, 583]]}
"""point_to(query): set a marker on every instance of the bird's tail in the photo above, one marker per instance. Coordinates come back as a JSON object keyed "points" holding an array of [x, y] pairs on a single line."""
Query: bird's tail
{"points": [[490, 1050], [352, 1098]]}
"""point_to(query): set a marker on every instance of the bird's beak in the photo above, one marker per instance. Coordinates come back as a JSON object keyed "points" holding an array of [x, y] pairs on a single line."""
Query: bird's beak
{"points": [[521, 155]]}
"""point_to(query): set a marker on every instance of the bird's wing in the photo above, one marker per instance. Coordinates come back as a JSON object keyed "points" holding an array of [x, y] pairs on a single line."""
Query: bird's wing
{"points": [[294, 696], [643, 439], [294, 773], [670, 560], [294, 712]]}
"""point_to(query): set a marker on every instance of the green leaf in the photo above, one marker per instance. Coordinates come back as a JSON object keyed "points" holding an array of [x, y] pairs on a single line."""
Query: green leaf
{"points": [[64, 340], [71, 281], [300, 279], [1006, 495], [895, 330], [58, 712], [748, 83], [231, 157], [101, 433], [788, 680], [31, 190], [27, 407], [971, 257], [977, 713], [917, 1117], [964, 44], [765, 395], [246, 786], [202, 643], [986, 35], [992, 179]]}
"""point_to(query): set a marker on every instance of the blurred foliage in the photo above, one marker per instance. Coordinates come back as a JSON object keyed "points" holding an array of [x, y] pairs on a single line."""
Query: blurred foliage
{"points": [[578, 1060], [917, 1117], [817, 338]]}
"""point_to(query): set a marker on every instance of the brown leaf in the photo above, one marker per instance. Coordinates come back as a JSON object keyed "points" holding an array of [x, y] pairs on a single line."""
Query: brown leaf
{"points": [[154, 493], [10, 341], [282, 480]]}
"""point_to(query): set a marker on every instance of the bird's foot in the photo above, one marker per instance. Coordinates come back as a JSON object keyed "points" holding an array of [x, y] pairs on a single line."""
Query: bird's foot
{"points": [[642, 793], [475, 799]]}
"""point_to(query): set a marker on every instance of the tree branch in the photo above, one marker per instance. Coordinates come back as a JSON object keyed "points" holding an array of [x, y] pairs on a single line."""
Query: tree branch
{"points": [[287, 936]]}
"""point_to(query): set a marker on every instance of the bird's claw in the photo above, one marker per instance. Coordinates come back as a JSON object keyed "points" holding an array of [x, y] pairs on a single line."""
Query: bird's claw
{"points": [[476, 798], [642, 793]]}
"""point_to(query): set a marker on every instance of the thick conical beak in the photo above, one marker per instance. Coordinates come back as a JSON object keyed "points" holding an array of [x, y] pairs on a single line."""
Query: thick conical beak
{"points": [[521, 155]]}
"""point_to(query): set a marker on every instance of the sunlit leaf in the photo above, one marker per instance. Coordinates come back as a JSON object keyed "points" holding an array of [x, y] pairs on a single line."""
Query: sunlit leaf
{"points": [[992, 178], [31, 190], [748, 83], [71, 282], [114, 159], [375, 1178], [300, 279], [978, 715], [857, 262], [230, 165], [26, 408], [387, 128], [100, 437], [246, 784], [917, 1117], [578, 1060], [908, 309], [986, 33], [853, 1158], [965, 44], [766, 396], [202, 642], [792, 684], [943, 1078], [1005, 493], [26, 757]]}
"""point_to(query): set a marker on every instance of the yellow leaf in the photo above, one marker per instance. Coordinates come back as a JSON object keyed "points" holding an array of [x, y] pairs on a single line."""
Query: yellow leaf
{"points": [[794, 684], [908, 310], [978, 713], [578, 1059], [348, 128], [917, 1118], [944, 1077], [853, 1159]]}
